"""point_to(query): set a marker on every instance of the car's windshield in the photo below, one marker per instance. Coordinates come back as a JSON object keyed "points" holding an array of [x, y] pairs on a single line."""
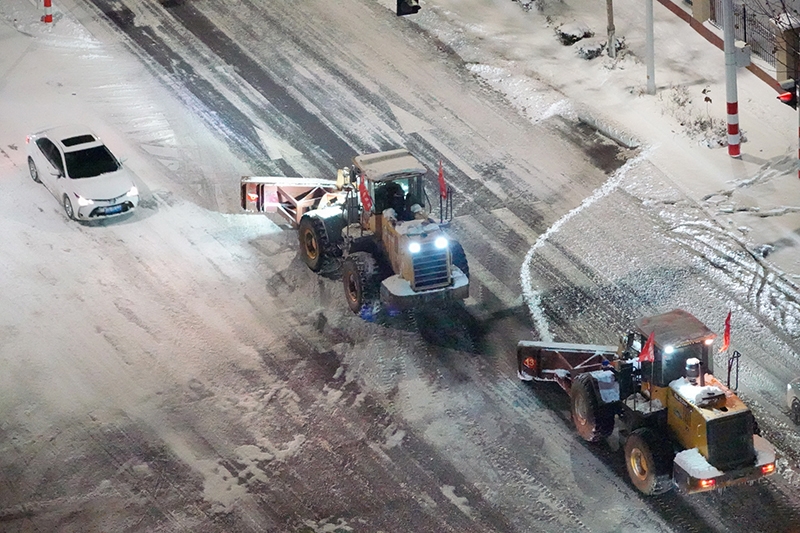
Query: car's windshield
{"points": [[90, 162]]}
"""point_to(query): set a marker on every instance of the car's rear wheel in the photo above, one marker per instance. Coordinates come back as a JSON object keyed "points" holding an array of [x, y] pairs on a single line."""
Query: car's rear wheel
{"points": [[68, 208], [34, 171], [796, 411]]}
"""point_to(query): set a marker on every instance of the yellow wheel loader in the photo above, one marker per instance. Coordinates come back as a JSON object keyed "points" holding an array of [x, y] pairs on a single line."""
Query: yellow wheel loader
{"points": [[374, 221], [681, 426]]}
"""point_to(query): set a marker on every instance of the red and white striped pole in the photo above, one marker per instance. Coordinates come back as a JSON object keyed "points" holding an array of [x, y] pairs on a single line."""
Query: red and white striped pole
{"points": [[48, 12], [734, 139], [730, 78], [797, 93]]}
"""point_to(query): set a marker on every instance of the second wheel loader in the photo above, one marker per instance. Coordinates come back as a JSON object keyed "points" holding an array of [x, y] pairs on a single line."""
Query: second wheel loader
{"points": [[374, 219]]}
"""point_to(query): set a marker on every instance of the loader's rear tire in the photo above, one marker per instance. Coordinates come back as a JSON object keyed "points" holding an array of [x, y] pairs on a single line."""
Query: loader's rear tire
{"points": [[648, 458], [459, 257], [313, 242], [360, 279], [593, 420]]}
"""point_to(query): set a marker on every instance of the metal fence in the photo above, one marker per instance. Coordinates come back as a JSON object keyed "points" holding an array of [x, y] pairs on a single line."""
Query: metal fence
{"points": [[752, 26]]}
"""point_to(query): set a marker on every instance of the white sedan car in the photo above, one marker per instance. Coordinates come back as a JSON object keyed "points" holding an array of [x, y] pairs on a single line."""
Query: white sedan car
{"points": [[81, 173]]}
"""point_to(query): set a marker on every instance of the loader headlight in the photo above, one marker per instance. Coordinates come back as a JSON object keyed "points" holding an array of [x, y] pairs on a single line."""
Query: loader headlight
{"points": [[414, 247], [440, 242], [669, 349]]}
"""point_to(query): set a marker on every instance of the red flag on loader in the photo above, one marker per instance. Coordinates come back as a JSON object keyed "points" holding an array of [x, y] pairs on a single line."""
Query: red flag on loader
{"points": [[442, 184], [646, 355], [726, 337], [366, 199]]}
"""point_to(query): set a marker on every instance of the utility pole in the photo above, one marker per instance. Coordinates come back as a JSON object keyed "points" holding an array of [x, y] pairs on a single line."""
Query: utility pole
{"points": [[789, 97], [612, 45], [650, 48], [730, 79]]}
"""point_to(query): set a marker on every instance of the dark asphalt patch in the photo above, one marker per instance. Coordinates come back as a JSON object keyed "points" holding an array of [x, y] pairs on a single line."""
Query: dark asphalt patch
{"points": [[237, 128]]}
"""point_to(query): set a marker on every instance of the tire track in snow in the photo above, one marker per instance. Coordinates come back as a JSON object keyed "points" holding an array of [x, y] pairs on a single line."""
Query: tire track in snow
{"points": [[531, 296]]}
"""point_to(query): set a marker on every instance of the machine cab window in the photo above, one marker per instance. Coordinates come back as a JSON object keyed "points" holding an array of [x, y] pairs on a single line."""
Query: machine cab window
{"points": [[398, 194]]}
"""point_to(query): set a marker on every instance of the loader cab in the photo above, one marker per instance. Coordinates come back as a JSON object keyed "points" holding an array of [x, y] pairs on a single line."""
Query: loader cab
{"points": [[400, 194], [394, 180], [678, 337]]}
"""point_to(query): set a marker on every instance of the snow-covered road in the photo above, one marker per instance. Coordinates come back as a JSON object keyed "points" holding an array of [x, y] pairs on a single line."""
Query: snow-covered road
{"points": [[181, 370]]}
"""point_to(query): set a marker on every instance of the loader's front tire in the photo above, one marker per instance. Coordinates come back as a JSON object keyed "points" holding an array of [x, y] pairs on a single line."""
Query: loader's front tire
{"points": [[593, 420], [796, 411], [313, 242], [459, 257], [648, 458], [360, 279]]}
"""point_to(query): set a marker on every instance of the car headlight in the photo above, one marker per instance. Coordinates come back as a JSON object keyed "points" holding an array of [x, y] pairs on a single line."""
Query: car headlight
{"points": [[83, 202], [414, 247], [440, 242], [133, 192]]}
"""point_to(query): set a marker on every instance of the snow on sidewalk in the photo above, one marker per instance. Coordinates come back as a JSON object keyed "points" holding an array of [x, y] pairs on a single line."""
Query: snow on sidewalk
{"points": [[518, 54]]}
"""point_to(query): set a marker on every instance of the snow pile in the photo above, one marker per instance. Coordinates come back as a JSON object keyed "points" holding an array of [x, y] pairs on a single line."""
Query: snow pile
{"points": [[572, 32], [591, 49], [765, 452], [637, 402], [607, 385], [696, 465], [695, 394], [699, 124]]}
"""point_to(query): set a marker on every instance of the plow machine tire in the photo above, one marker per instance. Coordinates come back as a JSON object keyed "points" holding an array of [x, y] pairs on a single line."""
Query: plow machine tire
{"points": [[593, 420], [313, 242], [459, 257], [648, 458], [360, 279]]}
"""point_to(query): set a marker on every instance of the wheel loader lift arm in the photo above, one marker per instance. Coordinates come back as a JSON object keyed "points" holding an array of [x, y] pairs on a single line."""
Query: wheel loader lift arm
{"points": [[289, 197]]}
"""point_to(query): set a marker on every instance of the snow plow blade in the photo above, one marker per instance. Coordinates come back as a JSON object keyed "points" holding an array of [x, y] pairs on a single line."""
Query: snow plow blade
{"points": [[559, 361], [289, 197]]}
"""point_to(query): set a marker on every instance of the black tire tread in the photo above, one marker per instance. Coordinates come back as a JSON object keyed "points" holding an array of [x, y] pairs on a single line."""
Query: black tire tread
{"points": [[459, 258], [363, 265], [315, 225], [600, 419], [660, 454], [31, 168]]}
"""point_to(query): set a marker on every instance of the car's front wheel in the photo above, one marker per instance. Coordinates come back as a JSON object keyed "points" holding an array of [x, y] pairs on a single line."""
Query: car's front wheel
{"points": [[68, 208], [34, 171]]}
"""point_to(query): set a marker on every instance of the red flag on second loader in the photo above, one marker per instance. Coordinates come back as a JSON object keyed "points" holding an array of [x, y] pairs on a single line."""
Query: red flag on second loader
{"points": [[366, 199], [646, 355], [726, 337], [442, 184]]}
